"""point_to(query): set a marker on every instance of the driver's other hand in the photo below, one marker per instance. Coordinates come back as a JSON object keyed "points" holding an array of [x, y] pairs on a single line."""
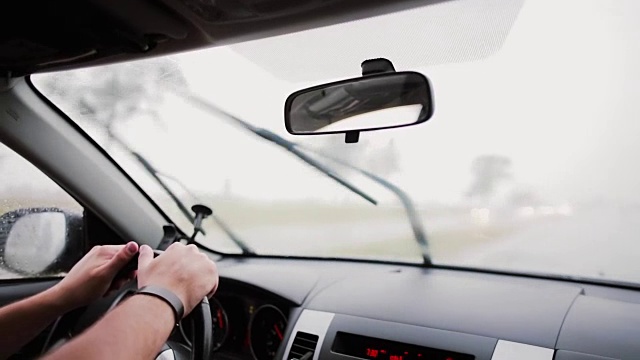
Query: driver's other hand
{"points": [[182, 269], [92, 276]]}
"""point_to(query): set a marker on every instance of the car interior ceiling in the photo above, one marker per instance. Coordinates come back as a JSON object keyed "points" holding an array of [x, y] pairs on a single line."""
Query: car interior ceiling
{"points": [[76, 33], [342, 308]]}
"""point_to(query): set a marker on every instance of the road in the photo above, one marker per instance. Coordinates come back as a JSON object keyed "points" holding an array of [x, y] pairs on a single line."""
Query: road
{"points": [[324, 238], [601, 243]]}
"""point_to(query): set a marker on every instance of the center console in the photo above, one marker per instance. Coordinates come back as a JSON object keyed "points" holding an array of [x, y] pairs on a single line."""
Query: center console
{"points": [[320, 335]]}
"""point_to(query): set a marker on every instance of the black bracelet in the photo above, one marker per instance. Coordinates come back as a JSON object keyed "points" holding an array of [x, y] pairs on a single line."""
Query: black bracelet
{"points": [[168, 297]]}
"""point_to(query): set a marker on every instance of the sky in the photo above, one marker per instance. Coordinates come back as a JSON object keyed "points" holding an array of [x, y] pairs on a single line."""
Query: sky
{"points": [[549, 84]]}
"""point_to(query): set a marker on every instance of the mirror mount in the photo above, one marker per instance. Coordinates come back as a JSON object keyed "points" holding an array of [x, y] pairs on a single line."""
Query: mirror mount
{"points": [[352, 137], [376, 66]]}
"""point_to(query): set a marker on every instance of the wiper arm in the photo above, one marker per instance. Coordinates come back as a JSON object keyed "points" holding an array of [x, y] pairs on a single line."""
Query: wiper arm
{"points": [[246, 249], [284, 143], [416, 223]]}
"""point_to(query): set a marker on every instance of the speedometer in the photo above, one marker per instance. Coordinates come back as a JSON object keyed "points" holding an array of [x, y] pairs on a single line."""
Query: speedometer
{"points": [[266, 332], [220, 323]]}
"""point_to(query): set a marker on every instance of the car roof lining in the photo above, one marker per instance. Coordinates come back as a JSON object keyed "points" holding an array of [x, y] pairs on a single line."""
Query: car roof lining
{"points": [[80, 33]]}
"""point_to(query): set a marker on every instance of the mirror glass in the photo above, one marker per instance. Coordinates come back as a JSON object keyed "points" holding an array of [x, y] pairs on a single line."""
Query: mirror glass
{"points": [[35, 242], [367, 103]]}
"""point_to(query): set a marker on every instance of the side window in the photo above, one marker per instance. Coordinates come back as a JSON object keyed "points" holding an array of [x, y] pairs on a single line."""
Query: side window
{"points": [[40, 224]]}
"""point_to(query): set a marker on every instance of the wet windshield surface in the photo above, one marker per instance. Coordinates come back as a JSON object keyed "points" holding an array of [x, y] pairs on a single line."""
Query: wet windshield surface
{"points": [[527, 165]]}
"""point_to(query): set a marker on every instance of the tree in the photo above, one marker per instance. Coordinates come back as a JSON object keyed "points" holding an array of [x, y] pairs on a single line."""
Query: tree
{"points": [[523, 197], [112, 94], [488, 171]]}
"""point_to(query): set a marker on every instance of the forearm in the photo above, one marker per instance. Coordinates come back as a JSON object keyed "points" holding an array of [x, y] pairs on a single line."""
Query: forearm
{"points": [[22, 321], [136, 329]]}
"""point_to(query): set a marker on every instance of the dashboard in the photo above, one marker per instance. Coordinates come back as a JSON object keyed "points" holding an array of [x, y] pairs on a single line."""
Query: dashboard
{"points": [[303, 309], [295, 309]]}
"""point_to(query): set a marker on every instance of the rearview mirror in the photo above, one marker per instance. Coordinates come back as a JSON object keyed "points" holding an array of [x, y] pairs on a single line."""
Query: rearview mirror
{"points": [[39, 241], [372, 102]]}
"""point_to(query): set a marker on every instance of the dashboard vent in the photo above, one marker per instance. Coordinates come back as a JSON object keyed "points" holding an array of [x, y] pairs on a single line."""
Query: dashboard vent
{"points": [[303, 344]]}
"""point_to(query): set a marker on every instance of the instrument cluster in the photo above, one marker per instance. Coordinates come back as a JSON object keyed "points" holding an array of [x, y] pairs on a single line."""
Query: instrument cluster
{"points": [[247, 326]]}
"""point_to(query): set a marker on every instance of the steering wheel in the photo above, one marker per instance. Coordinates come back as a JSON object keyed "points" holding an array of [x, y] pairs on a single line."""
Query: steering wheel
{"points": [[199, 321]]}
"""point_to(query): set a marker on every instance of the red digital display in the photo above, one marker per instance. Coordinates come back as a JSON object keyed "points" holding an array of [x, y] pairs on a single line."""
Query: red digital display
{"points": [[378, 349]]}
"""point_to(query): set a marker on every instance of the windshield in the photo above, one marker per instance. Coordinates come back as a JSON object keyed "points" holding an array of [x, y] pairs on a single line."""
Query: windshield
{"points": [[527, 165]]}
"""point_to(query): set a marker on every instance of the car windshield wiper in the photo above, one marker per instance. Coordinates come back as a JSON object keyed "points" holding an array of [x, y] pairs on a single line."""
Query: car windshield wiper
{"points": [[299, 150], [157, 176]]}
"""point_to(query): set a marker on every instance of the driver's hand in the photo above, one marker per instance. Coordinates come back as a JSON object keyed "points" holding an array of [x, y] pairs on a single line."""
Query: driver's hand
{"points": [[93, 276], [182, 269]]}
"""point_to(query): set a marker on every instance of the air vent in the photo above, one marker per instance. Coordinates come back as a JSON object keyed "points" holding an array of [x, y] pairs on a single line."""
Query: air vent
{"points": [[303, 344]]}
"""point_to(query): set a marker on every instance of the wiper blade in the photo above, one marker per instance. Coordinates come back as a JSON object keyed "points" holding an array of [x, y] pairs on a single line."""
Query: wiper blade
{"points": [[246, 250], [416, 223], [286, 144]]}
